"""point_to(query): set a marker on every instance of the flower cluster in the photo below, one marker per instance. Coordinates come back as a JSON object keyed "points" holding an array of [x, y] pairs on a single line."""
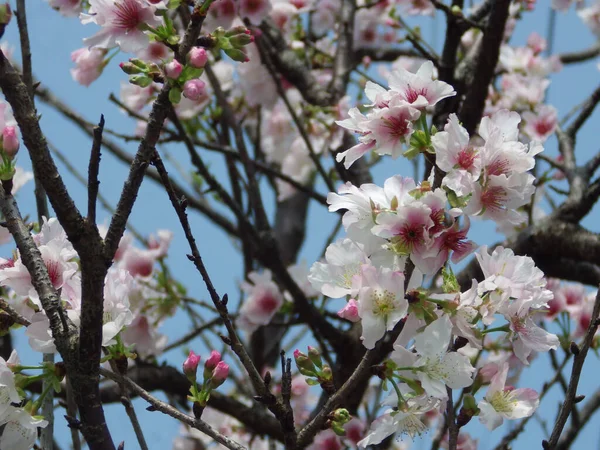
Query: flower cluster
{"points": [[406, 229]]}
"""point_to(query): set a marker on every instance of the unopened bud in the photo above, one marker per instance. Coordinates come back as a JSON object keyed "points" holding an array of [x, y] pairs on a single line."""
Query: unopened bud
{"points": [[190, 366], [211, 364], [129, 68], [140, 80], [241, 40], [194, 89], [236, 55], [198, 57], [304, 364], [173, 69], [240, 29], [315, 356], [219, 375], [10, 141]]}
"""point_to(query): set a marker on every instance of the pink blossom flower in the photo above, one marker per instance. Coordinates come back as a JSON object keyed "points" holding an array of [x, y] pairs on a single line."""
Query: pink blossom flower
{"points": [[591, 17], [381, 302], [417, 7], [502, 402], [392, 127], [326, 440], [122, 23], [144, 336], [220, 14], [20, 429], [262, 302], [68, 8], [541, 124], [89, 64], [254, 10], [419, 89], [350, 311], [435, 367]]}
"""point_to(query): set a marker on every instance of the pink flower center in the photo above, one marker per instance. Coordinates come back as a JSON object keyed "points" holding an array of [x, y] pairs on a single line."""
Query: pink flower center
{"points": [[54, 273], [253, 6], [398, 126], [127, 15], [455, 240], [268, 304], [543, 127], [498, 167], [413, 94], [493, 198], [466, 157]]}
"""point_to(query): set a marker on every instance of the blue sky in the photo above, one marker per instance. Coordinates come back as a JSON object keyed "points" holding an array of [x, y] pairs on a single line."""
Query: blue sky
{"points": [[54, 37]]}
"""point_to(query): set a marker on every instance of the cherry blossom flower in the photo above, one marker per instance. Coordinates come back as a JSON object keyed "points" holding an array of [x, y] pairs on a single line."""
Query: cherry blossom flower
{"points": [[89, 64], [20, 429], [528, 337], [419, 89], [334, 278], [68, 8], [350, 311], [435, 367], [541, 124], [262, 302], [391, 127], [117, 287], [123, 23], [502, 402], [8, 390], [591, 17], [381, 302], [254, 10]]}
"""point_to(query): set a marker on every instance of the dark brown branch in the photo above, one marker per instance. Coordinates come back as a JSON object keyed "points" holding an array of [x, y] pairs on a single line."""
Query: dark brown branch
{"points": [[585, 113], [578, 362], [93, 170], [483, 66], [589, 409], [580, 56], [171, 411]]}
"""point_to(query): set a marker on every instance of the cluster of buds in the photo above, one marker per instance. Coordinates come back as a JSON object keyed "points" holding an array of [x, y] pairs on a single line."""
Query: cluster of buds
{"points": [[337, 419], [141, 73], [233, 42], [214, 375], [313, 368]]}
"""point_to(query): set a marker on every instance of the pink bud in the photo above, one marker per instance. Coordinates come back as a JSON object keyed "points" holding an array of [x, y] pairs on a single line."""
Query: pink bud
{"points": [[197, 57], [10, 141], [350, 311], [219, 375], [173, 69], [194, 89], [190, 365], [213, 360]]}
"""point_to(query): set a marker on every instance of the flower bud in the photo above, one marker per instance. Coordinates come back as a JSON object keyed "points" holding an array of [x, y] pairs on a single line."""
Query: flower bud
{"points": [[198, 57], [350, 311], [10, 141], [315, 356], [240, 40], [5, 14], [173, 69], [305, 365], [240, 29], [140, 80], [129, 68], [219, 375], [190, 366], [236, 55], [194, 89], [211, 363]]}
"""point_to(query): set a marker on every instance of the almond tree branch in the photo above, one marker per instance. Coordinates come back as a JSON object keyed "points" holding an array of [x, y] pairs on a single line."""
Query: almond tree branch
{"points": [[589, 409], [93, 170]]}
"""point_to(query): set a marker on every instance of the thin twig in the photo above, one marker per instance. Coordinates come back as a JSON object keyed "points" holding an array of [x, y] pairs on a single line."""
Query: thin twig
{"points": [[93, 170], [18, 318], [165, 408], [578, 361]]}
